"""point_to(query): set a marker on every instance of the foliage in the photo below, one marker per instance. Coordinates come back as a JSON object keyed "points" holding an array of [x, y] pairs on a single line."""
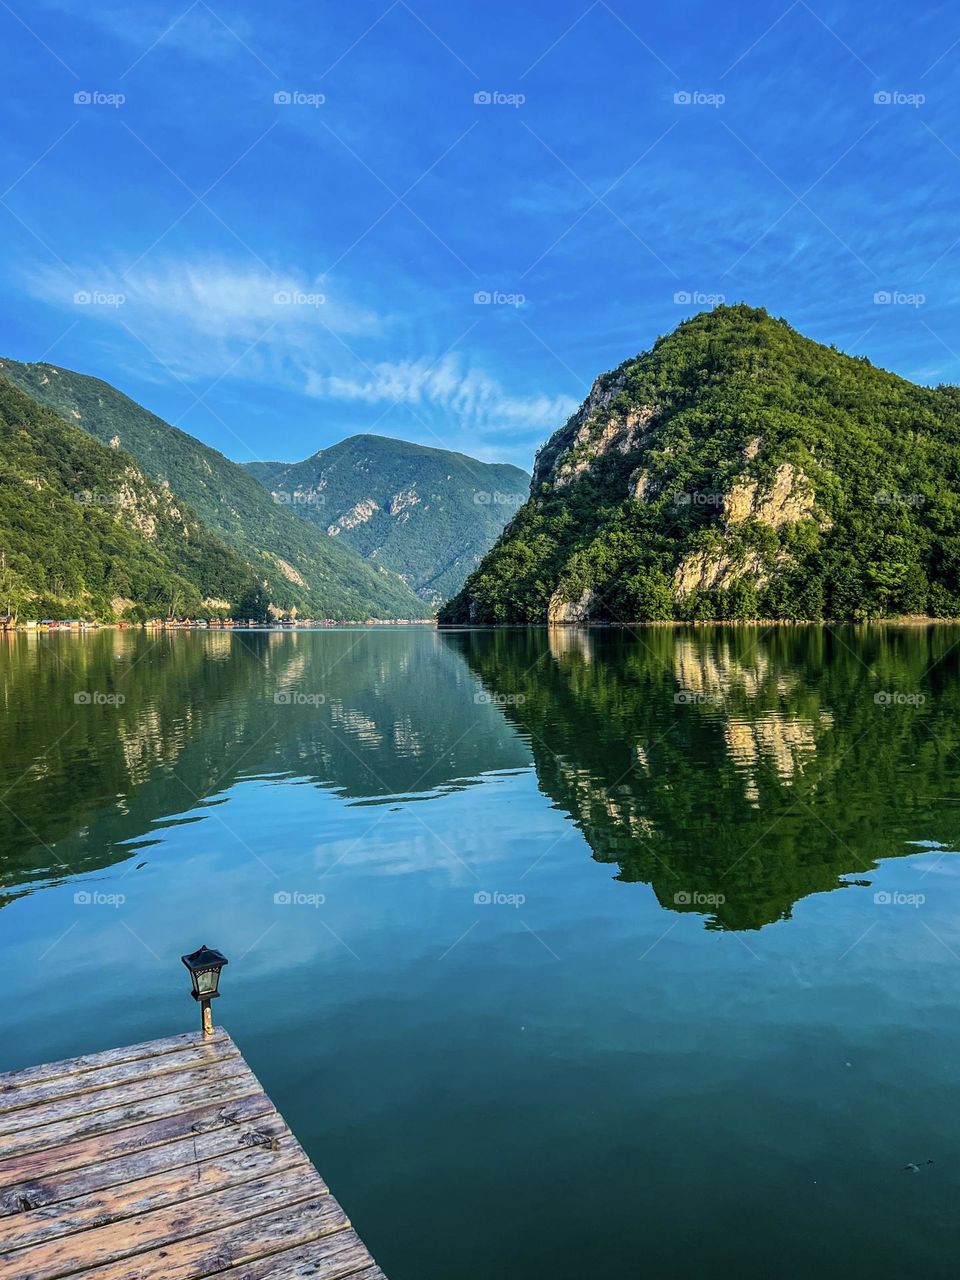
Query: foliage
{"points": [[436, 513], [301, 566], [84, 533], [734, 395]]}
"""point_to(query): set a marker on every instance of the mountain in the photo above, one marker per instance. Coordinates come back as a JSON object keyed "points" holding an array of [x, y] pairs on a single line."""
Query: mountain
{"points": [[300, 564], [428, 514], [736, 470], [83, 532]]}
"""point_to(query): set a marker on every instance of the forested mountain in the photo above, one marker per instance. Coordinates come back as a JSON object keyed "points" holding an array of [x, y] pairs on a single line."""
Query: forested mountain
{"points": [[83, 532], [736, 470], [301, 565], [428, 514]]}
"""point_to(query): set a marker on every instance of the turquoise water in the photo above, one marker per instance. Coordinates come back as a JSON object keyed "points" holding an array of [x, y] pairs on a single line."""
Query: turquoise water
{"points": [[563, 954]]}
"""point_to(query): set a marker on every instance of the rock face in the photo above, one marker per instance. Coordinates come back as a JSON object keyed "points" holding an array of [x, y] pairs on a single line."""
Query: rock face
{"points": [[594, 432], [360, 513], [701, 570], [788, 500], [575, 611], [735, 470]]}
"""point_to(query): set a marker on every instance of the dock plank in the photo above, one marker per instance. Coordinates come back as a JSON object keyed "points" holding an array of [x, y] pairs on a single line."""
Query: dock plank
{"points": [[258, 1130], [14, 1100], [145, 1194], [127, 1093], [217, 1251], [32, 1166], [39, 1137], [165, 1165], [151, 1049]]}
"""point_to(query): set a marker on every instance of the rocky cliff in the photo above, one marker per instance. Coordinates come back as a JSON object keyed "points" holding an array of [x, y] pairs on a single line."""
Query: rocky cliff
{"points": [[735, 470]]}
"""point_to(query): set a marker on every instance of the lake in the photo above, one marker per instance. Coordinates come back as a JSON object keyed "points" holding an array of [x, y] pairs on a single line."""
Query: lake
{"points": [[564, 953]]}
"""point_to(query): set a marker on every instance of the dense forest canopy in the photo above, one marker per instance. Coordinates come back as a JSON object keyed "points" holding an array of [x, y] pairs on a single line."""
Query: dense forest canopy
{"points": [[736, 470]]}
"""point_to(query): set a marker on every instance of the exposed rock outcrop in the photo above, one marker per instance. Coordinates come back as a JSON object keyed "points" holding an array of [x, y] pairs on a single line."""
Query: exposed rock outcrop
{"points": [[569, 610], [789, 499]]}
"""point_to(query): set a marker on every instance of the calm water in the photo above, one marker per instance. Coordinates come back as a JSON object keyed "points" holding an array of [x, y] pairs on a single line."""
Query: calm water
{"points": [[564, 955]]}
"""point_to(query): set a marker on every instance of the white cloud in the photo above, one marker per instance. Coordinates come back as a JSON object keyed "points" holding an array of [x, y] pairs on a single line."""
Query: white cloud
{"points": [[469, 393], [206, 318]]}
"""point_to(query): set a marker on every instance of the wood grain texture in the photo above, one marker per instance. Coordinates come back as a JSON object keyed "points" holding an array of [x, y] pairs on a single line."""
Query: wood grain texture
{"points": [[262, 1127], [150, 1049], [43, 1164], [71, 1106], [165, 1165], [69, 1128], [13, 1101]]}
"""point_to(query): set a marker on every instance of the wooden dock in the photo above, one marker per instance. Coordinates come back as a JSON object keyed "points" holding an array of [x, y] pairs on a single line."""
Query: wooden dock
{"points": [[161, 1161]]}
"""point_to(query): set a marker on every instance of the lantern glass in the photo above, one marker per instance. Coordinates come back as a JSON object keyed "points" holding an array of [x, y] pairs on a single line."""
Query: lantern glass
{"points": [[207, 981]]}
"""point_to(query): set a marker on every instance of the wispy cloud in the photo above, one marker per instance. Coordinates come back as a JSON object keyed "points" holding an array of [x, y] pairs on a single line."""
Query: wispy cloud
{"points": [[470, 393], [208, 318]]}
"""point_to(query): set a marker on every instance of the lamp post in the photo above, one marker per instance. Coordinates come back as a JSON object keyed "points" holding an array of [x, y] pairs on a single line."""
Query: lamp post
{"points": [[204, 967]]}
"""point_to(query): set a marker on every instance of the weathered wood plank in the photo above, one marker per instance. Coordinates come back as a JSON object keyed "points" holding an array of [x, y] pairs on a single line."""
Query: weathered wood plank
{"points": [[167, 1104], [128, 1094], [14, 1097], [109, 1057], [49, 1189], [330, 1258], [232, 1207], [82, 1153], [164, 1161], [210, 1254], [176, 1186]]}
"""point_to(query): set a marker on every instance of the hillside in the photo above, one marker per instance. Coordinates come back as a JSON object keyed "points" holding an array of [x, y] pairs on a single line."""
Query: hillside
{"points": [[736, 470], [300, 564], [428, 514], [84, 532]]}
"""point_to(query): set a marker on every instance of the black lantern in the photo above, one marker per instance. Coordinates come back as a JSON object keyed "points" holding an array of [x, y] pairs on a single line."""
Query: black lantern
{"points": [[204, 966]]}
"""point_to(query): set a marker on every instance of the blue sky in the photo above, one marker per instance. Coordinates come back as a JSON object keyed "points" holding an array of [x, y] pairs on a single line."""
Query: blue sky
{"points": [[278, 219]]}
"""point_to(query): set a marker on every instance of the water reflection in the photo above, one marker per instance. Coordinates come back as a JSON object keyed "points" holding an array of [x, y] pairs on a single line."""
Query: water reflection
{"points": [[105, 736], [737, 770]]}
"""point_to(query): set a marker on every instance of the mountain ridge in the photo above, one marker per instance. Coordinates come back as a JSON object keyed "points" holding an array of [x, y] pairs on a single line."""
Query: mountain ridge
{"points": [[302, 567], [736, 470], [85, 532], [429, 514]]}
